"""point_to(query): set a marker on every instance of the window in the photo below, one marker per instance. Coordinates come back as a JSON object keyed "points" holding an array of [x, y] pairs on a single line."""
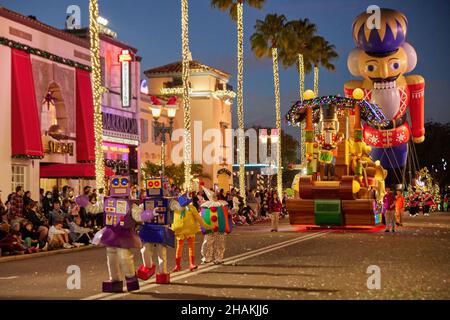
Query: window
{"points": [[18, 177]]}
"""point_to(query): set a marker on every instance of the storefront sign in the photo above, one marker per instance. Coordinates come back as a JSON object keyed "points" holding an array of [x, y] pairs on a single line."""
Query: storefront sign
{"points": [[60, 148], [125, 59], [113, 122]]}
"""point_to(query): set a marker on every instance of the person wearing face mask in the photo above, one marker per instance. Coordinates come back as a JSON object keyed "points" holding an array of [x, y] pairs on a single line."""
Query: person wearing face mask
{"points": [[47, 204]]}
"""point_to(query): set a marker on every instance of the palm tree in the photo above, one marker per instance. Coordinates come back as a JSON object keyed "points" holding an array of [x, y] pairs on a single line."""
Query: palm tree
{"points": [[301, 31], [97, 90], [322, 52], [271, 35], [236, 9], [186, 103]]}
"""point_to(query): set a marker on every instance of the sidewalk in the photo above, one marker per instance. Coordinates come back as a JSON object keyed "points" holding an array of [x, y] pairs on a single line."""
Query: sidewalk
{"points": [[45, 254]]}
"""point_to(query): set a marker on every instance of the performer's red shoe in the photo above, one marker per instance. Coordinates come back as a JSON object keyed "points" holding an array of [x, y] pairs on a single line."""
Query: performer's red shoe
{"points": [[192, 265], [145, 273], [163, 278], [177, 265]]}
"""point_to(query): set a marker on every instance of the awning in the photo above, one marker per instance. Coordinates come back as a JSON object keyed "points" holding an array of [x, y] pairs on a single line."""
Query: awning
{"points": [[25, 125], [85, 117], [71, 171]]}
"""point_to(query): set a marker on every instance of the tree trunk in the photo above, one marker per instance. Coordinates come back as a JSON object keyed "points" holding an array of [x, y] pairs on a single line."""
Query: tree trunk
{"points": [[301, 75], [186, 101], [316, 81], [276, 80], [97, 90], [240, 98]]}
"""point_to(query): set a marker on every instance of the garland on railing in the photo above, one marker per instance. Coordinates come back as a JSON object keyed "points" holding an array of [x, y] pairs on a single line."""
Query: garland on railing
{"points": [[44, 54]]}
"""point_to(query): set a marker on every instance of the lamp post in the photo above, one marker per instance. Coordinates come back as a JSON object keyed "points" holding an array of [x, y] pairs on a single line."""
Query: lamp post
{"points": [[161, 129]]}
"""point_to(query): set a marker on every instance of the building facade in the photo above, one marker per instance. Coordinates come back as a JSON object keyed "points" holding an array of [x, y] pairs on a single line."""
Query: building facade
{"points": [[211, 100], [46, 99], [120, 103], [47, 123]]}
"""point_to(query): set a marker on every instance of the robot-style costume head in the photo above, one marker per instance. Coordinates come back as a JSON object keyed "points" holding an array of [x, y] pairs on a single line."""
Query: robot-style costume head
{"points": [[184, 200], [382, 54], [157, 187], [119, 186]]}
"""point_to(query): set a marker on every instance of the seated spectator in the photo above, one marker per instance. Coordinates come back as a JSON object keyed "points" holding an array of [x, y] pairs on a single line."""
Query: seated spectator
{"points": [[40, 224], [3, 211], [65, 207], [58, 237], [31, 238], [8, 242], [83, 199], [74, 211], [27, 199], [78, 234], [17, 208], [47, 204], [58, 215], [94, 211], [17, 237]]}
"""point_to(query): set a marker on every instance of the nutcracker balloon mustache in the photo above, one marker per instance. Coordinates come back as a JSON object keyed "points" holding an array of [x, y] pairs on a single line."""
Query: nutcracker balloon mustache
{"points": [[382, 58]]}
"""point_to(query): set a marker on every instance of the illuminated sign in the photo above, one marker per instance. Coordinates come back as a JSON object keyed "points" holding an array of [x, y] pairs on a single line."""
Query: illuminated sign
{"points": [[125, 59], [60, 148]]}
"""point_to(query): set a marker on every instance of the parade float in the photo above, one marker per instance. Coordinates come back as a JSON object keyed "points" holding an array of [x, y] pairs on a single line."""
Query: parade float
{"points": [[354, 144], [341, 185]]}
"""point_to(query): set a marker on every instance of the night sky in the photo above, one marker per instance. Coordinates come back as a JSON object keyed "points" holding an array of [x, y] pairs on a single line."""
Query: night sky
{"points": [[153, 27]]}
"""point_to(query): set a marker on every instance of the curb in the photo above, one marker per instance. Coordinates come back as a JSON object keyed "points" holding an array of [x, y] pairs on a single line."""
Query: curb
{"points": [[45, 254]]}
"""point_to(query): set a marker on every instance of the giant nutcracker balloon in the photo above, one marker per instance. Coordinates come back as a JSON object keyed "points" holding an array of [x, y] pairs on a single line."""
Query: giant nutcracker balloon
{"points": [[382, 58]]}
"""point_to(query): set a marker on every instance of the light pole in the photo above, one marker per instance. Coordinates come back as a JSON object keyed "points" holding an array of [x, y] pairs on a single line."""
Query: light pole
{"points": [[161, 129]]}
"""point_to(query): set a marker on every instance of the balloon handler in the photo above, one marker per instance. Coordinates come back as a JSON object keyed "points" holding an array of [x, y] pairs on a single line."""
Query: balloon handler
{"points": [[155, 233], [118, 235], [187, 222], [216, 214]]}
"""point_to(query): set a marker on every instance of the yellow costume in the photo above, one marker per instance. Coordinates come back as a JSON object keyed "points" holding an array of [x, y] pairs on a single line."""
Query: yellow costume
{"points": [[186, 223]]}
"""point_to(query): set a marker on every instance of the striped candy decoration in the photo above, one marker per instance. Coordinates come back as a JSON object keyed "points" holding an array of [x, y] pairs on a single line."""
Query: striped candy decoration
{"points": [[219, 218]]}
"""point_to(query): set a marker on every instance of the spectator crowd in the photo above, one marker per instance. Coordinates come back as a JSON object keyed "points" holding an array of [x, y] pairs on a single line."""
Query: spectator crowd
{"points": [[59, 219], [53, 221]]}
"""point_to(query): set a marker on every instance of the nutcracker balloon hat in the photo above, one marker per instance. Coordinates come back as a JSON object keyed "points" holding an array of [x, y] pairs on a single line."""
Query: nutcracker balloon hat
{"points": [[380, 37]]}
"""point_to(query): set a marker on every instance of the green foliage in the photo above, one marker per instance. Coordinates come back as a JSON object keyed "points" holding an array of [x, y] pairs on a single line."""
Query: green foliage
{"points": [[431, 152], [175, 173], [231, 5], [322, 52], [270, 33], [301, 33]]}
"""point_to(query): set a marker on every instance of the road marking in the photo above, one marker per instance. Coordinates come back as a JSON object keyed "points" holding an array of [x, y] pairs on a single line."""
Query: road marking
{"points": [[8, 278], [204, 268]]}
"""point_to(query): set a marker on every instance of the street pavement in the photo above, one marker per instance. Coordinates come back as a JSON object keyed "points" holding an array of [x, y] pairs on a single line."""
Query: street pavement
{"points": [[414, 263]]}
